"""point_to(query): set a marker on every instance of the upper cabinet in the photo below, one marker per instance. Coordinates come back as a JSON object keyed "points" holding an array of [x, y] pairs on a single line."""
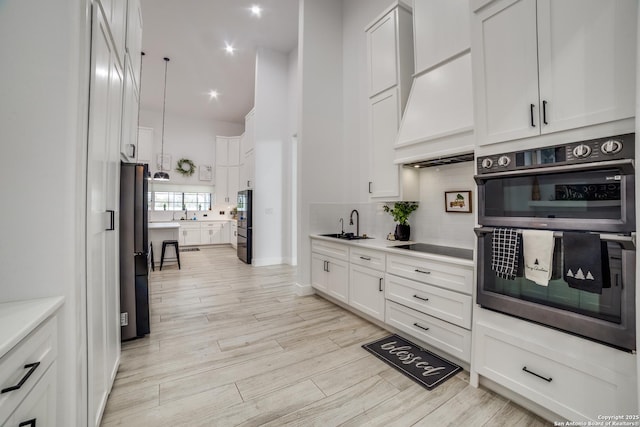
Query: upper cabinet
{"points": [[543, 66], [134, 39], [441, 30], [115, 12]]}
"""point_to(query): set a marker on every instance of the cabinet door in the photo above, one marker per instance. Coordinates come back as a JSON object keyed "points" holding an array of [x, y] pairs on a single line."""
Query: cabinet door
{"points": [[145, 145], [206, 233], [115, 12], [134, 38], [338, 279], [248, 171], [233, 154], [221, 184], [233, 176], [129, 141], [222, 151], [384, 118], [319, 272], [587, 58], [366, 291], [381, 45], [506, 71], [192, 236]]}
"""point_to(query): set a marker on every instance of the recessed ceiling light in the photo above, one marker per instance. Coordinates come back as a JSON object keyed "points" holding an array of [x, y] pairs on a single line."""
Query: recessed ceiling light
{"points": [[213, 94], [256, 10], [416, 166], [229, 49]]}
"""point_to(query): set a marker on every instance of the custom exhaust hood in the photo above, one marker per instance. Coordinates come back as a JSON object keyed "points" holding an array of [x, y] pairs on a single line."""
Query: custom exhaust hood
{"points": [[437, 124]]}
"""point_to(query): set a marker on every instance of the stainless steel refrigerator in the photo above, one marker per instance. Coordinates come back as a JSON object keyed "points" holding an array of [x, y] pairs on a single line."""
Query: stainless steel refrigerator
{"points": [[134, 251], [245, 227]]}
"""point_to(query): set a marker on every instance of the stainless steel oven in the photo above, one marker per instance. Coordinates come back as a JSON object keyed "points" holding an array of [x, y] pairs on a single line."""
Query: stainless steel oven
{"points": [[583, 187]]}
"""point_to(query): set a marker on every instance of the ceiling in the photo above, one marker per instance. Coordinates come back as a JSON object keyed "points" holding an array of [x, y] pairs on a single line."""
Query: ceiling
{"points": [[193, 34]]}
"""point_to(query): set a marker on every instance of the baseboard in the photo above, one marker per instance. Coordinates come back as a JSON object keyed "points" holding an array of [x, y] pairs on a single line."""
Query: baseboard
{"points": [[303, 290], [263, 262]]}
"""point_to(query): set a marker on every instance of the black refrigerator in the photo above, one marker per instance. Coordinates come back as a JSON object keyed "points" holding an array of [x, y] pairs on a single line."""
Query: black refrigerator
{"points": [[134, 251], [245, 227]]}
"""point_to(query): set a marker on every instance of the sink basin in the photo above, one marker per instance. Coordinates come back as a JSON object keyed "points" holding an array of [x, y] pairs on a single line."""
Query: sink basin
{"points": [[346, 236]]}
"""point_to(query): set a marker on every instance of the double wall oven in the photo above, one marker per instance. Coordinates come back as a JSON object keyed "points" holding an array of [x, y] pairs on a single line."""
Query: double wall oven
{"points": [[585, 187]]}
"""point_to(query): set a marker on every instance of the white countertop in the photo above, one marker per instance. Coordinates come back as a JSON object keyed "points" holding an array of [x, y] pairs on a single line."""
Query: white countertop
{"points": [[163, 225], [388, 246], [19, 318]]}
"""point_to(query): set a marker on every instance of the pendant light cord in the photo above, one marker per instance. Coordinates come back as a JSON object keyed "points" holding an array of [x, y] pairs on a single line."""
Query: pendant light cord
{"points": [[164, 104]]}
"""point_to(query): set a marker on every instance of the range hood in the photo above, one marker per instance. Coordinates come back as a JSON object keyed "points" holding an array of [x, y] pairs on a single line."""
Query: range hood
{"points": [[437, 124]]}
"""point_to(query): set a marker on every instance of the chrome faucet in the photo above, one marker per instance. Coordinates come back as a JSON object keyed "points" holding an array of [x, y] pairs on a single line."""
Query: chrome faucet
{"points": [[357, 221], [341, 221], [186, 216]]}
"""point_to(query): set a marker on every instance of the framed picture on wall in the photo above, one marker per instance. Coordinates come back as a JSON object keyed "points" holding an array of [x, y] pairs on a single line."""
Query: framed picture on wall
{"points": [[205, 173], [457, 201]]}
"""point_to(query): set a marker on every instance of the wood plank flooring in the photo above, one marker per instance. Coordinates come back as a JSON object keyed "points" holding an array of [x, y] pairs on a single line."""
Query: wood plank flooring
{"points": [[232, 345]]}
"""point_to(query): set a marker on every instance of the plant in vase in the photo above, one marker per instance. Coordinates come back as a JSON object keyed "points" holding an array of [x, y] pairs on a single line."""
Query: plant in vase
{"points": [[400, 213]]}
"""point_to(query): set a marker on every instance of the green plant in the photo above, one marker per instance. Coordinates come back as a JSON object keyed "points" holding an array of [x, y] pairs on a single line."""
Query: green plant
{"points": [[401, 211], [186, 167]]}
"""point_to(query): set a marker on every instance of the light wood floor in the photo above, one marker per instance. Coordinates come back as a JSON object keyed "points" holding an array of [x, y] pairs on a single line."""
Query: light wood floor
{"points": [[232, 345]]}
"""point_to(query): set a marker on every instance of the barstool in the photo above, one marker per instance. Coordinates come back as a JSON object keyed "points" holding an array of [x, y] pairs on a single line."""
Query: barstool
{"points": [[166, 243]]}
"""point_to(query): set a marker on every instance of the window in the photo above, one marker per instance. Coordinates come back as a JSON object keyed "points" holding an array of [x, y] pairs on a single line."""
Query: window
{"points": [[178, 201]]}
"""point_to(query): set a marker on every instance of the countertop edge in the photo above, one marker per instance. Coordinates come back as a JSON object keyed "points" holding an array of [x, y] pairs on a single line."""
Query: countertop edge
{"points": [[388, 247], [23, 317]]}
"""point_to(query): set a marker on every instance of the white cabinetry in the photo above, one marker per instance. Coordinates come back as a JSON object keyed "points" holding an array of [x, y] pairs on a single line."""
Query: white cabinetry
{"points": [[134, 39], [145, 145], [542, 66], [115, 13], [329, 270], [366, 282], [233, 235], [431, 300], [212, 233], [28, 354], [189, 233], [575, 378], [130, 108], [227, 168], [103, 167], [390, 60]]}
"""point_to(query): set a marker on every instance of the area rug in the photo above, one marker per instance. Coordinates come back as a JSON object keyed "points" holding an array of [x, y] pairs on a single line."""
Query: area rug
{"points": [[422, 366], [189, 249]]}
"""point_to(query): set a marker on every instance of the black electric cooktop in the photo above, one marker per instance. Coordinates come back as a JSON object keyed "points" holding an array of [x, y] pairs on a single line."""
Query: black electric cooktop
{"points": [[438, 250]]}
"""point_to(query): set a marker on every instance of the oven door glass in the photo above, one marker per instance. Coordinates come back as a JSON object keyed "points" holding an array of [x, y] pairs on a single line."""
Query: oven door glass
{"points": [[585, 195]]}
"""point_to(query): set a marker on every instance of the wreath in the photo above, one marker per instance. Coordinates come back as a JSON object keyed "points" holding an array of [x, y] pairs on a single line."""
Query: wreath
{"points": [[186, 167]]}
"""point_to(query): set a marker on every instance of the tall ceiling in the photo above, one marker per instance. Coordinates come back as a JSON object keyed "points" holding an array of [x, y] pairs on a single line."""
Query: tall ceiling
{"points": [[193, 34]]}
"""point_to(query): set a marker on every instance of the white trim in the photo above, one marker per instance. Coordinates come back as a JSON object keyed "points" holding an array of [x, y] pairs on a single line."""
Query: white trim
{"points": [[303, 290], [262, 262]]}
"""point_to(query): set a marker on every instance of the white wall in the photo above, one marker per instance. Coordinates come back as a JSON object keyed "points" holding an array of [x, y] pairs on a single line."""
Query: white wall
{"points": [[290, 189], [271, 121], [186, 137], [43, 128], [322, 164]]}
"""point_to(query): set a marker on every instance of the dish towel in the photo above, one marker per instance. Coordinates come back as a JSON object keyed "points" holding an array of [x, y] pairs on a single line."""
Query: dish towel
{"points": [[583, 266], [538, 255], [505, 251]]}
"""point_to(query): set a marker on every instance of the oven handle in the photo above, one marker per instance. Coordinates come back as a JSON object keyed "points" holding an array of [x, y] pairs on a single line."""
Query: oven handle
{"points": [[627, 242], [626, 167]]}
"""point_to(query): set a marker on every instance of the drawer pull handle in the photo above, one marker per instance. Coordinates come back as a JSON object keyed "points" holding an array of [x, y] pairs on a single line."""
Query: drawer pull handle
{"points": [[31, 368], [366, 258], [524, 368], [380, 285], [417, 270], [30, 423], [420, 298], [421, 327]]}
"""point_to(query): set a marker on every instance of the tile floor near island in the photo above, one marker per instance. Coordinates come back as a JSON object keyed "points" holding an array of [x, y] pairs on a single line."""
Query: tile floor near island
{"points": [[232, 345]]}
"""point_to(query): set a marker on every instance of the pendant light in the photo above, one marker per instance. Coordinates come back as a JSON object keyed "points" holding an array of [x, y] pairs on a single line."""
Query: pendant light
{"points": [[162, 175]]}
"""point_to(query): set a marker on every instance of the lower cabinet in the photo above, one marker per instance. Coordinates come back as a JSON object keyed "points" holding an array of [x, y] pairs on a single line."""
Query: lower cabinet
{"points": [[190, 234], [39, 407], [442, 335], [233, 235], [331, 276], [575, 378], [205, 233], [366, 291]]}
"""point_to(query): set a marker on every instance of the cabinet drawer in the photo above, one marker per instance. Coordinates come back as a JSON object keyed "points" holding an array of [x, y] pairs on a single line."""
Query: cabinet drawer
{"points": [[441, 335], [446, 275], [38, 347], [39, 407], [335, 250], [185, 225], [450, 306], [575, 388], [368, 258]]}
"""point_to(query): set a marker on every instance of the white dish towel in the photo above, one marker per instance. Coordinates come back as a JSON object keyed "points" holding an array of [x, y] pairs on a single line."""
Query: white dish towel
{"points": [[538, 255]]}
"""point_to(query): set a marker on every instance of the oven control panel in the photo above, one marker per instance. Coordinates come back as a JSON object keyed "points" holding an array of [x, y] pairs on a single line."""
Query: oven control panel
{"points": [[594, 150]]}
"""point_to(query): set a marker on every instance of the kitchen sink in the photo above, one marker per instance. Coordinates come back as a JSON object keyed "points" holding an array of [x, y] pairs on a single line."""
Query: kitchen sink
{"points": [[346, 236]]}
